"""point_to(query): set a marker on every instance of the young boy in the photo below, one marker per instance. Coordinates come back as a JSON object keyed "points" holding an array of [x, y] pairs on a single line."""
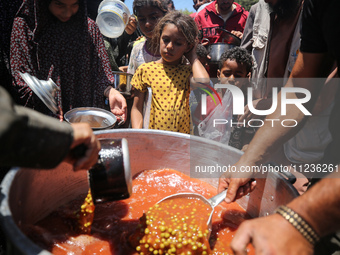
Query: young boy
{"points": [[234, 68]]}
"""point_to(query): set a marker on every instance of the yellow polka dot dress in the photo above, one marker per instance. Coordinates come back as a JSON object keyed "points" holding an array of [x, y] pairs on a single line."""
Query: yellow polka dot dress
{"points": [[170, 95]]}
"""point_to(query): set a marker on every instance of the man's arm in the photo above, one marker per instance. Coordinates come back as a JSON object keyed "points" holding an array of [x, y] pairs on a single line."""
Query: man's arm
{"points": [[246, 41], [267, 138], [31, 139], [319, 207]]}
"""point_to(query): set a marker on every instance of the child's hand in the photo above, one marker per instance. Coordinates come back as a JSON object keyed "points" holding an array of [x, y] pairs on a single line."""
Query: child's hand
{"points": [[191, 54], [118, 104], [131, 25]]}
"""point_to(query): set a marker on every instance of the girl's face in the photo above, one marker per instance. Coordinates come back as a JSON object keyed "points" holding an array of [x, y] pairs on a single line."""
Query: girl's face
{"points": [[173, 45], [233, 73], [64, 9], [148, 17]]}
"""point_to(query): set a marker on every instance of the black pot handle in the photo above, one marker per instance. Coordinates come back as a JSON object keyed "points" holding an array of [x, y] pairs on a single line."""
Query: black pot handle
{"points": [[79, 151], [287, 175]]}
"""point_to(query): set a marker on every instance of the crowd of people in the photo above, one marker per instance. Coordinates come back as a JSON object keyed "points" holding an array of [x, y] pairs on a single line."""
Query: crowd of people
{"points": [[167, 52]]}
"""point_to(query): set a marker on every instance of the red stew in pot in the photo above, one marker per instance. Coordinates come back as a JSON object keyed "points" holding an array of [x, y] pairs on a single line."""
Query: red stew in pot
{"points": [[114, 226]]}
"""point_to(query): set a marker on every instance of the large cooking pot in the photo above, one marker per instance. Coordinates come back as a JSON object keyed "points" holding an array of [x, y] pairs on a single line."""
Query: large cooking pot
{"points": [[29, 195]]}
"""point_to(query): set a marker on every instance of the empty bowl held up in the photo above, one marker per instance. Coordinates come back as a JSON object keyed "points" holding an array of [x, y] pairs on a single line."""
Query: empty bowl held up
{"points": [[112, 18], [97, 118]]}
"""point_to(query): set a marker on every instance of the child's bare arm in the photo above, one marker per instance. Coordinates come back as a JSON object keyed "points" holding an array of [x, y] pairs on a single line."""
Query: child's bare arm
{"points": [[137, 109], [200, 76]]}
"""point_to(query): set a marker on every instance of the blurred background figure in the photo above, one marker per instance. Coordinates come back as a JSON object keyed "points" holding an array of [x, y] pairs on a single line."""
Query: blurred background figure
{"points": [[225, 14], [8, 10], [203, 55], [216, 20], [197, 5], [171, 5]]}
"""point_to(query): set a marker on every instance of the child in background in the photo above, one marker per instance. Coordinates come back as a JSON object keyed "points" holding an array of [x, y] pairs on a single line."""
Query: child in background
{"points": [[203, 55], [148, 12], [234, 68], [175, 36]]}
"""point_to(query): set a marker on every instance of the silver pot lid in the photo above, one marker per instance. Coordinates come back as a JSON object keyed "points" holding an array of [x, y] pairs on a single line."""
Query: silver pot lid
{"points": [[45, 90]]}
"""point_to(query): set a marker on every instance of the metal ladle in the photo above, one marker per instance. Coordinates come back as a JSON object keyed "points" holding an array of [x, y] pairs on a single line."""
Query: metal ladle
{"points": [[212, 202]]}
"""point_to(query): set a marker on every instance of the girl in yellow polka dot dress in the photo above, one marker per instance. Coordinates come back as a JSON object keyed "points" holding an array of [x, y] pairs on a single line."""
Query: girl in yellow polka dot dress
{"points": [[175, 36]]}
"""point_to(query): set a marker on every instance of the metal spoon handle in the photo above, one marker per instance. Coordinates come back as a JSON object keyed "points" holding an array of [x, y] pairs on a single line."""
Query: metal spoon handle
{"points": [[216, 200]]}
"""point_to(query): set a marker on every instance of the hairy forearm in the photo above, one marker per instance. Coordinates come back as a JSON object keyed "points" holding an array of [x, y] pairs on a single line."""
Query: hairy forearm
{"points": [[320, 205], [273, 134]]}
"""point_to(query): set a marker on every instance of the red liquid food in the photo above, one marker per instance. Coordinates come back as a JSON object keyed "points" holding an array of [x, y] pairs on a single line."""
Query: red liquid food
{"points": [[177, 225], [116, 222]]}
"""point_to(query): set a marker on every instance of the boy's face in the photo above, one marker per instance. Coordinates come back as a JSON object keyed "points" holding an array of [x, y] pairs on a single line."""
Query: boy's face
{"points": [[233, 73]]}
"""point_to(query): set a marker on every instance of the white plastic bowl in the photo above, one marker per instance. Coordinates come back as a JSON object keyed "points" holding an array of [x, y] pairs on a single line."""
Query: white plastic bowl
{"points": [[112, 18]]}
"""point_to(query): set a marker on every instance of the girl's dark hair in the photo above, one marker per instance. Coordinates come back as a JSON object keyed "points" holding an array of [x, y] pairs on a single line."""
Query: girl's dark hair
{"points": [[240, 55], [184, 24], [160, 4], [201, 51]]}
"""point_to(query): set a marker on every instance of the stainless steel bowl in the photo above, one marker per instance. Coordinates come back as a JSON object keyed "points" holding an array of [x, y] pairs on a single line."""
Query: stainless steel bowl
{"points": [[97, 118], [122, 82], [217, 49]]}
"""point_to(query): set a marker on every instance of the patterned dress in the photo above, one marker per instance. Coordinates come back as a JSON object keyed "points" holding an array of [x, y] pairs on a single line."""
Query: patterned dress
{"points": [[140, 55], [170, 95], [71, 53]]}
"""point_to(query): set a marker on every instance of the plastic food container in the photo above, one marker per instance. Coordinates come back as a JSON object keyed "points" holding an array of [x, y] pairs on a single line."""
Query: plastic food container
{"points": [[112, 18]]}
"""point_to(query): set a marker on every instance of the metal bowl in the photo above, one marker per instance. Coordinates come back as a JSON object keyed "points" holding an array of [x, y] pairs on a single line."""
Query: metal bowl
{"points": [[217, 49], [97, 118], [122, 82]]}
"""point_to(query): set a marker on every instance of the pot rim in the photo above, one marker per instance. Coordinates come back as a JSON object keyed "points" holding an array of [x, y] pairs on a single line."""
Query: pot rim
{"points": [[122, 73], [13, 232]]}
